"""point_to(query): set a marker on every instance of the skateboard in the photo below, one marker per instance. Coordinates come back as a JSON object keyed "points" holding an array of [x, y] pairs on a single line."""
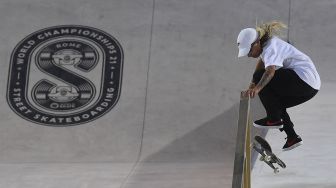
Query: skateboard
{"points": [[267, 155]]}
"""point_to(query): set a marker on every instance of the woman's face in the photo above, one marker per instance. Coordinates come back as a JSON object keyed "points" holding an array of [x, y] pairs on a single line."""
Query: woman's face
{"points": [[255, 50]]}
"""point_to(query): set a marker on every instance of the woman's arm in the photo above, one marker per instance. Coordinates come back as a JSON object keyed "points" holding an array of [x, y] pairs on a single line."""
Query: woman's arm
{"points": [[267, 77], [259, 66]]}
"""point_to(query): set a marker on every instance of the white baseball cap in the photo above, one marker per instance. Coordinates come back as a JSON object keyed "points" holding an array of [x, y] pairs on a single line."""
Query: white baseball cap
{"points": [[244, 40]]}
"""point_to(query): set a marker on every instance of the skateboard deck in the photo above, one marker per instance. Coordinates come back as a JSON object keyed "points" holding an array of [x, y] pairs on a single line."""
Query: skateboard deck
{"points": [[266, 153]]}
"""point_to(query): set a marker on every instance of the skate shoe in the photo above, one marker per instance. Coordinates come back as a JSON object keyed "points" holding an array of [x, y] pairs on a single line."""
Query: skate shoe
{"points": [[267, 123], [292, 143]]}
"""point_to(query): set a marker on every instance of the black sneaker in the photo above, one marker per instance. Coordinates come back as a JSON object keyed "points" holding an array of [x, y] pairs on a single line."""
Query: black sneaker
{"points": [[266, 123], [292, 143]]}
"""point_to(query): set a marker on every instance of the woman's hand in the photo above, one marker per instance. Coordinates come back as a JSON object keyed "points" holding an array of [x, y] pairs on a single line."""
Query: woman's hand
{"points": [[265, 79], [252, 92], [252, 85]]}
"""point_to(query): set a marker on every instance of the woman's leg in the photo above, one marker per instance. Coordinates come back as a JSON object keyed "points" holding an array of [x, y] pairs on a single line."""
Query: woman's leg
{"points": [[288, 125], [285, 90], [290, 102], [269, 98]]}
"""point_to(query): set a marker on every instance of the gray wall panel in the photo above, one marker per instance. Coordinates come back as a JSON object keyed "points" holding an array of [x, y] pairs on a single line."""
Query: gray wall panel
{"points": [[195, 77], [312, 31], [114, 137]]}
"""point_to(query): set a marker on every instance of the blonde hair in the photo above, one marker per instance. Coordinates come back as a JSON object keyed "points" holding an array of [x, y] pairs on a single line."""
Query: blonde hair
{"points": [[270, 29]]}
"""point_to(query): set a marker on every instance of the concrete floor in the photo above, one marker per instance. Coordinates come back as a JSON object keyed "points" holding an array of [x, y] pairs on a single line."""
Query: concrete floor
{"points": [[53, 175], [113, 175]]}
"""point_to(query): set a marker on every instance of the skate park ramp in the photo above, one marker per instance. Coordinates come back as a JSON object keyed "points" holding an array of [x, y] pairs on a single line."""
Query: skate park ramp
{"points": [[156, 99], [309, 165]]}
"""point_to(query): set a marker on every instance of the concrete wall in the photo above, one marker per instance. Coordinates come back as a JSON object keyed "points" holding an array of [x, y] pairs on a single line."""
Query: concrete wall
{"points": [[181, 77], [195, 78], [114, 137], [312, 29]]}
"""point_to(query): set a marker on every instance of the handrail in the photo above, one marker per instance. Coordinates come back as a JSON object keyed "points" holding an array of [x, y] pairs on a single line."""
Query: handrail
{"points": [[242, 162]]}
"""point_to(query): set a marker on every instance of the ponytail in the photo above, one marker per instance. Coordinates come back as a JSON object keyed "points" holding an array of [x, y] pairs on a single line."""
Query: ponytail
{"points": [[270, 29]]}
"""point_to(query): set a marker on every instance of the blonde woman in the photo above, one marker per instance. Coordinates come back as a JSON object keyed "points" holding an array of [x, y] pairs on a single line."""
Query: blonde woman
{"points": [[284, 77]]}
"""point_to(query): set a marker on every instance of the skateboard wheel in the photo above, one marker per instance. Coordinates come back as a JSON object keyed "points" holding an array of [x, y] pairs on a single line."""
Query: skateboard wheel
{"points": [[276, 170], [268, 158]]}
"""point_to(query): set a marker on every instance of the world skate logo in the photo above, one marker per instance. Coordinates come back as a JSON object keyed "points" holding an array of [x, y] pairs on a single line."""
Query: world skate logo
{"points": [[65, 75]]}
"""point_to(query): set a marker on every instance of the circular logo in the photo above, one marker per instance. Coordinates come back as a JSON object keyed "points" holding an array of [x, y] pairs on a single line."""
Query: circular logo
{"points": [[65, 75]]}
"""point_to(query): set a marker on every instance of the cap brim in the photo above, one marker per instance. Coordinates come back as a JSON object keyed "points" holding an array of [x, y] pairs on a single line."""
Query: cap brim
{"points": [[243, 52]]}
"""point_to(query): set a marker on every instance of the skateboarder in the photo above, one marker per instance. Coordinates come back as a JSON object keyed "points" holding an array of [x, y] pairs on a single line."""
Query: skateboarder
{"points": [[284, 77]]}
